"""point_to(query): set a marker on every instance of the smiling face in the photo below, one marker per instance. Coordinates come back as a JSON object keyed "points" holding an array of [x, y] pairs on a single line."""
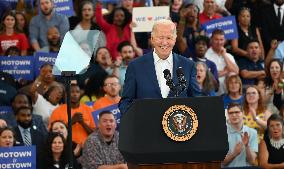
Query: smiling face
{"points": [[244, 17], [60, 128], [57, 145], [118, 17], [252, 95], [163, 39], [234, 86], [9, 22], [275, 70], [7, 138]]}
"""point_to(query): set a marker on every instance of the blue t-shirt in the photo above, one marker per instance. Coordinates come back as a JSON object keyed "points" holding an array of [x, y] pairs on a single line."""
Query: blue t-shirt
{"points": [[227, 100]]}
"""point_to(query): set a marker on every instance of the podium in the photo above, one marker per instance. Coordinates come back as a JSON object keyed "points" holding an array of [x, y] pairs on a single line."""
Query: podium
{"points": [[144, 144]]}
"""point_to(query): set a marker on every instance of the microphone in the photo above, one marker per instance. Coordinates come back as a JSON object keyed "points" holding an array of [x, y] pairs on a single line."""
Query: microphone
{"points": [[167, 76], [181, 78]]}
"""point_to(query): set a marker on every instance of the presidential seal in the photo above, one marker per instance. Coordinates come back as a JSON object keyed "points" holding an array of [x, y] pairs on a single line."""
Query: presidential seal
{"points": [[180, 122]]}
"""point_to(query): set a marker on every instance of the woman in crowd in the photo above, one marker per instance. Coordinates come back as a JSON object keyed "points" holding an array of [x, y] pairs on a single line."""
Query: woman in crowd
{"points": [[22, 23], [7, 137], [246, 32], [87, 30], [45, 104], [255, 112], [117, 29], [235, 91], [205, 79], [188, 29], [271, 149], [10, 36], [274, 85], [60, 127]]}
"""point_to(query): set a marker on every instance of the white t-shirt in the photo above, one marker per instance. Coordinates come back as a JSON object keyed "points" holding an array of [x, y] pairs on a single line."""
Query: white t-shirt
{"points": [[44, 108]]}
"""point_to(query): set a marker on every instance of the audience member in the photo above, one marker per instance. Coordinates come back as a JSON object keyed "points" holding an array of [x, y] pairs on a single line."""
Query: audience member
{"points": [[111, 88], [56, 153], [101, 148], [45, 104], [144, 76], [274, 87], [279, 52], [7, 137], [23, 100], [255, 112], [205, 79], [271, 150], [243, 145], [53, 38], [247, 32], [209, 12], [10, 36], [86, 29], [117, 30], [82, 120], [22, 23], [39, 24], [201, 46], [252, 67], [234, 91], [188, 29], [126, 51], [13, 51], [224, 61], [272, 23]]}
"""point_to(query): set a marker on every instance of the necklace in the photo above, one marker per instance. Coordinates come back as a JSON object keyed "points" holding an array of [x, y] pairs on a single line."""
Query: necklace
{"points": [[277, 144]]}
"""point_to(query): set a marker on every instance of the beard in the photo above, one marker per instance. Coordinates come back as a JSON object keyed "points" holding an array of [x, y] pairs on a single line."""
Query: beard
{"points": [[46, 13], [25, 125]]}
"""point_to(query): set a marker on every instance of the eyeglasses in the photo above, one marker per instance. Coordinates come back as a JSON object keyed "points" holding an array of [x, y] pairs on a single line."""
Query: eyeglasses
{"points": [[234, 112], [111, 84]]}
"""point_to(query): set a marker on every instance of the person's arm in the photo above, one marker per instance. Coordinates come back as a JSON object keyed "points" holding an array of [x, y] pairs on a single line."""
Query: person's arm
{"points": [[263, 158], [246, 74], [116, 67], [137, 50], [33, 90], [78, 118], [34, 33], [99, 18], [250, 154], [260, 43], [232, 155], [237, 50], [270, 54], [260, 122], [231, 66], [116, 166], [181, 41]]}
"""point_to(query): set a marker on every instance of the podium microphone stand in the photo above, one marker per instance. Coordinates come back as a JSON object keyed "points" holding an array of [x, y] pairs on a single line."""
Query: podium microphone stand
{"points": [[67, 76]]}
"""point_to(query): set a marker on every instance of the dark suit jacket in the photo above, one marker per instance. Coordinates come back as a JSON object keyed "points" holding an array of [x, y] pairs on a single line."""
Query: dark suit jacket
{"points": [[270, 27], [141, 80], [36, 136]]}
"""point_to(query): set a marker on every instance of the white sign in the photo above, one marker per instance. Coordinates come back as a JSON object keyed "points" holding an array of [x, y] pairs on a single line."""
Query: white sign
{"points": [[144, 17]]}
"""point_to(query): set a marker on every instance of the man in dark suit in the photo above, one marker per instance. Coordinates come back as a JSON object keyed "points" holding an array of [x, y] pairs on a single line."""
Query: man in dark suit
{"points": [[144, 76], [272, 24]]}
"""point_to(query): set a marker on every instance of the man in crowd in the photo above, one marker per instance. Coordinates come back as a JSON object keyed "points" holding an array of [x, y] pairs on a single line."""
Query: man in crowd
{"points": [[101, 148], [243, 145], [209, 12], [53, 38], [46, 19], [224, 61], [252, 68], [111, 88], [144, 76], [82, 120]]}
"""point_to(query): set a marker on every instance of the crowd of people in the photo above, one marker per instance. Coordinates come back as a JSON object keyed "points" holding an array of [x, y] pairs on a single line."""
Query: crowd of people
{"points": [[125, 65]]}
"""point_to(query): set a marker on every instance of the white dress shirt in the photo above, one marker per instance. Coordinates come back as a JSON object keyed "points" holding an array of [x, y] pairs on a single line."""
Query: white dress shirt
{"points": [[160, 66]]}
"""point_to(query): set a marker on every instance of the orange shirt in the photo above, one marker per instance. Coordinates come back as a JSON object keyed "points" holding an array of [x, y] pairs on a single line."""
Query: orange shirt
{"points": [[79, 135], [104, 102]]}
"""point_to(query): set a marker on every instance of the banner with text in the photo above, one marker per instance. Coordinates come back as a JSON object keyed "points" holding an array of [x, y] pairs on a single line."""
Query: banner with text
{"points": [[64, 7], [5, 109], [113, 108], [21, 67], [227, 24], [43, 58], [18, 157], [144, 17]]}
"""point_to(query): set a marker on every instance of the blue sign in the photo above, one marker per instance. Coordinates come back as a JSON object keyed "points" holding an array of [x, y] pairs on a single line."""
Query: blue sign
{"points": [[5, 110], [18, 157], [42, 58], [21, 67], [12, 3], [64, 7], [227, 24], [113, 108], [109, 1]]}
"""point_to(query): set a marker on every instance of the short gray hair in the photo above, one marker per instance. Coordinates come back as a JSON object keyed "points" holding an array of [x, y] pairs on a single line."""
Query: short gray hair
{"points": [[164, 22]]}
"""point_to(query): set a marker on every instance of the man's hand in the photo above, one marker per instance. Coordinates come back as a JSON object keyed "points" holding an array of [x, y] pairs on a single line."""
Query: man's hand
{"points": [[238, 149], [77, 117], [245, 139]]}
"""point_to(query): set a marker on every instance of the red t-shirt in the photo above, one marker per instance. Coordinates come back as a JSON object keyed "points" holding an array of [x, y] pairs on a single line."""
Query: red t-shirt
{"points": [[203, 18], [17, 39]]}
